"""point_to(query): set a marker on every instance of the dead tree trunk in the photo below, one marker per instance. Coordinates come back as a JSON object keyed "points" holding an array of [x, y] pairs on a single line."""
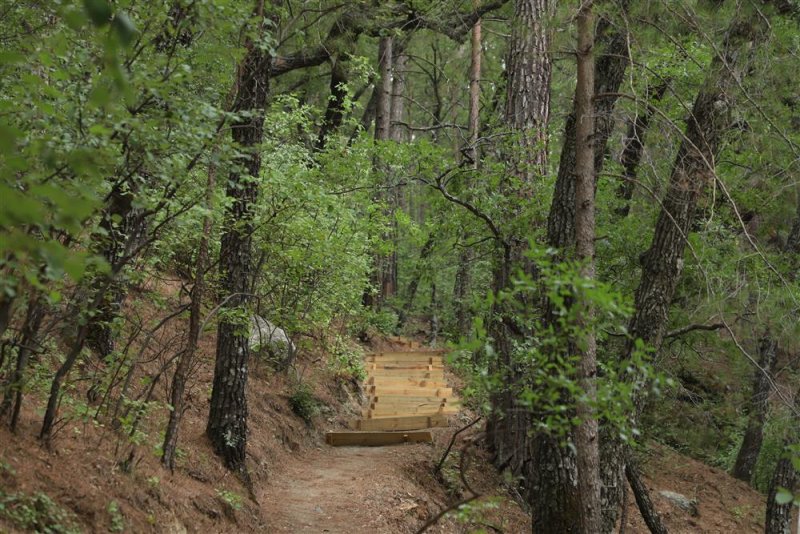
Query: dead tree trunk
{"points": [[227, 420], [757, 408], [642, 496]]}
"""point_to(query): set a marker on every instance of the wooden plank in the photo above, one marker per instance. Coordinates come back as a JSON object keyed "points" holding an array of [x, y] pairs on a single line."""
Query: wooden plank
{"points": [[409, 412], [400, 406], [405, 366], [377, 391], [409, 398], [407, 355], [404, 383], [401, 423], [405, 373], [376, 439]]}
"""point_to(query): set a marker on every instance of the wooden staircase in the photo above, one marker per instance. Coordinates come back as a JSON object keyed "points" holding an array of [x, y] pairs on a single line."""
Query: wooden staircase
{"points": [[406, 390]]}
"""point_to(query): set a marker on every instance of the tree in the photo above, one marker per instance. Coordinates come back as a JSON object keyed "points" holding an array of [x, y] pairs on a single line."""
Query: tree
{"points": [[587, 444], [227, 419], [527, 113], [759, 404]]}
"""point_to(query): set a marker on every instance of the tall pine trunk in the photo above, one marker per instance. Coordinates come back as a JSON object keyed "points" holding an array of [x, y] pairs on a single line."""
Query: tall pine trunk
{"points": [[527, 113], [587, 449], [227, 420], [461, 285], [555, 498]]}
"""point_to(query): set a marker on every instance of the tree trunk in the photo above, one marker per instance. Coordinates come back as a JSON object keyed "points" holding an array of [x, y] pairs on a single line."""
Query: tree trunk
{"points": [[227, 420], [334, 113], [610, 68], [692, 172], [186, 359], [554, 468], [642, 496], [757, 408], [398, 132], [28, 339], [419, 270], [121, 226], [633, 148], [587, 450], [527, 114], [779, 516], [463, 276], [793, 242], [383, 110], [528, 89]]}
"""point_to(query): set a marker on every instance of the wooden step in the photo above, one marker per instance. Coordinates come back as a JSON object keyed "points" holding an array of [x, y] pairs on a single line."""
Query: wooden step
{"points": [[404, 366], [401, 423], [369, 414], [405, 373], [406, 356], [409, 398], [405, 383], [401, 405], [376, 439], [381, 390]]}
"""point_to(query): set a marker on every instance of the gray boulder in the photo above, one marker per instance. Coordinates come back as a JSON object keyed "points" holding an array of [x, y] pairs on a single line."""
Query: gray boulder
{"points": [[270, 341], [681, 501]]}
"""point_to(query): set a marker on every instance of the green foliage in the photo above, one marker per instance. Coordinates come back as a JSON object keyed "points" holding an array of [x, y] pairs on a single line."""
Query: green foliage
{"points": [[346, 359], [303, 403], [36, 513], [116, 517], [230, 498]]}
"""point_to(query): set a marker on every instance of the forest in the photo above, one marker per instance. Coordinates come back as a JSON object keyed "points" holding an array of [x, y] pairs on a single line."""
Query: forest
{"points": [[545, 254]]}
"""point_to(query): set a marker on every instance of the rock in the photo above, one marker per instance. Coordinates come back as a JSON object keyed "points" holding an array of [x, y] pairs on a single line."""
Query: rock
{"points": [[681, 501], [268, 340]]}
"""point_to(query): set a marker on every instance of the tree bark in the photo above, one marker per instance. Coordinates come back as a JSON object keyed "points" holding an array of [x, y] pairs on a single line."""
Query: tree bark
{"points": [[528, 89], [463, 276], [587, 450], [779, 516], [227, 420], [793, 242], [757, 408], [642, 496], [527, 114], [610, 68], [334, 113], [554, 468], [397, 113], [633, 148]]}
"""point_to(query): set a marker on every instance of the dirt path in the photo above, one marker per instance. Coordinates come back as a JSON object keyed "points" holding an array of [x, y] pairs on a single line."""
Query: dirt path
{"points": [[348, 489]]}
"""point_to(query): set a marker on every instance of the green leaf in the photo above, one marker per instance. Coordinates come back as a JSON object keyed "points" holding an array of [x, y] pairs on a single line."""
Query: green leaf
{"points": [[784, 496], [99, 11], [124, 27]]}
